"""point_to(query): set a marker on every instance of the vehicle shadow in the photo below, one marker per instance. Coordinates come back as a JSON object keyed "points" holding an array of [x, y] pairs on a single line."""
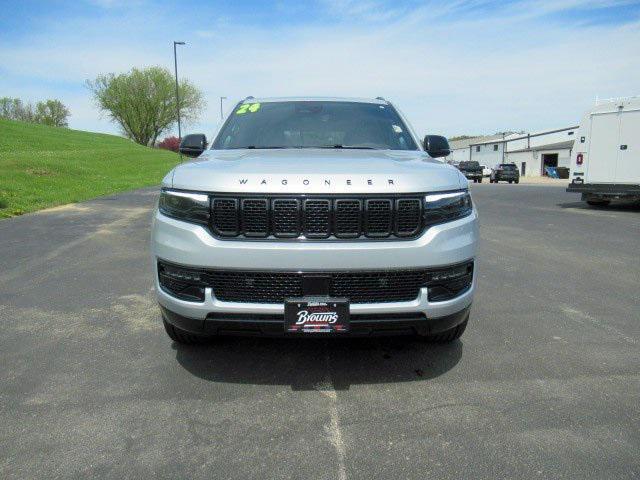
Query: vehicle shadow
{"points": [[616, 206], [310, 364]]}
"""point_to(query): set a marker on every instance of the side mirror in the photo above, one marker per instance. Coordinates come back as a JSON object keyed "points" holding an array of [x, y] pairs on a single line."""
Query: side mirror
{"points": [[436, 146], [193, 145]]}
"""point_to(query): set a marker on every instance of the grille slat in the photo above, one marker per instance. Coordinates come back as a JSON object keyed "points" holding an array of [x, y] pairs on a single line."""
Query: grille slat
{"points": [[378, 217], [316, 217], [226, 217], [255, 217], [409, 216], [286, 217], [347, 218]]}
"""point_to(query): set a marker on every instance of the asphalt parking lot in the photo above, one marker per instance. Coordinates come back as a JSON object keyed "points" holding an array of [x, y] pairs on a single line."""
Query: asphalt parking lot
{"points": [[545, 383]]}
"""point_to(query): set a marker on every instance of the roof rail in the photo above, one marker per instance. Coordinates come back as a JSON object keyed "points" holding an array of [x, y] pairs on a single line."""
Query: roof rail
{"points": [[250, 97], [382, 99]]}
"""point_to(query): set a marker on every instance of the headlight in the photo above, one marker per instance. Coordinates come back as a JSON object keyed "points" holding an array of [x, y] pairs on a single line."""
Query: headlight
{"points": [[187, 206], [444, 207]]}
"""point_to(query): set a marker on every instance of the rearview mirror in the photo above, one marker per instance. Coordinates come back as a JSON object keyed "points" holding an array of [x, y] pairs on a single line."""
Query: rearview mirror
{"points": [[436, 146], [193, 145]]}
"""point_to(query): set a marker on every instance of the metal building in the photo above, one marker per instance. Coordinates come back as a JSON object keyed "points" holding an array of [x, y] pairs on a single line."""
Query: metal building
{"points": [[531, 152]]}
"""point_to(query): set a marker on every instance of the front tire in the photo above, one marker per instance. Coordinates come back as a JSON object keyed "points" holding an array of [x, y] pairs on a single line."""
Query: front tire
{"points": [[479, 180], [447, 336], [182, 336]]}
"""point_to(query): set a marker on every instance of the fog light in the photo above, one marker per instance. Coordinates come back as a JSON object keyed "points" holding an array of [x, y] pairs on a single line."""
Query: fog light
{"points": [[450, 274], [448, 283], [181, 274], [181, 283]]}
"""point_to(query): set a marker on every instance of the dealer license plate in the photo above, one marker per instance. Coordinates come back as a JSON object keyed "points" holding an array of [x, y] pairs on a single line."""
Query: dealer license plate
{"points": [[316, 315]]}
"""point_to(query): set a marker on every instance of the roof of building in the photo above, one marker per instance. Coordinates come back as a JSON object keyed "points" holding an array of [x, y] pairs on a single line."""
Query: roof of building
{"points": [[457, 144], [500, 138], [550, 146]]}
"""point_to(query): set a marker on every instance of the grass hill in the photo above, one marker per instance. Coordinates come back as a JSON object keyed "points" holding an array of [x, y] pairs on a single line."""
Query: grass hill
{"points": [[42, 166]]}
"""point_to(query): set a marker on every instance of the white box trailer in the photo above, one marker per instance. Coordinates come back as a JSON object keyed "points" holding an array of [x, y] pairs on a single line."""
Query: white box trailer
{"points": [[605, 162]]}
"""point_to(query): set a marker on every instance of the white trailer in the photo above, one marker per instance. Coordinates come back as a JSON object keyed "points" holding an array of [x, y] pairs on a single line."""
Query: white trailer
{"points": [[605, 162]]}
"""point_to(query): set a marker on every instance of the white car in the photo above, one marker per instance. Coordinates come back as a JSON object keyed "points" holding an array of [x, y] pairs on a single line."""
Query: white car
{"points": [[312, 216], [486, 171]]}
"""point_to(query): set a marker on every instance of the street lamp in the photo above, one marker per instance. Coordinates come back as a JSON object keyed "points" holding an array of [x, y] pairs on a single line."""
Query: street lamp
{"points": [[175, 64], [221, 99]]}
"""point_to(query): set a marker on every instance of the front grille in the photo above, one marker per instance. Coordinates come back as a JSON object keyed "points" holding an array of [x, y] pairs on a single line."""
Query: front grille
{"points": [[373, 286], [316, 217], [360, 287]]}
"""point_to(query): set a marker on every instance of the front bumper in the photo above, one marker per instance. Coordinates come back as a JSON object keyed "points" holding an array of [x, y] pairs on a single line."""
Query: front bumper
{"points": [[191, 245]]}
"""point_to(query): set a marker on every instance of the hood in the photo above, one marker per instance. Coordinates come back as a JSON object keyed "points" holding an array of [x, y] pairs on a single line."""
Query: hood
{"points": [[315, 171]]}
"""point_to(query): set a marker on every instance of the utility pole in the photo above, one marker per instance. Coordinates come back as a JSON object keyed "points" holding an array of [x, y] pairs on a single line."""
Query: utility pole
{"points": [[175, 64], [221, 113]]}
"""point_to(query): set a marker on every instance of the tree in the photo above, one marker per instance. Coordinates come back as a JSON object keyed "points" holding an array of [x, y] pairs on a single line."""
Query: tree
{"points": [[15, 109], [52, 113], [143, 102]]}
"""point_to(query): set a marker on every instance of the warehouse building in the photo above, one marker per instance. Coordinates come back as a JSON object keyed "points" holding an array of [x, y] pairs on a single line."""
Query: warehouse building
{"points": [[531, 152]]}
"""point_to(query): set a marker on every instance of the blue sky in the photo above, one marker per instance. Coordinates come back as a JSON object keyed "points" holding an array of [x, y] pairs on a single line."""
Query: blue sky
{"points": [[452, 66]]}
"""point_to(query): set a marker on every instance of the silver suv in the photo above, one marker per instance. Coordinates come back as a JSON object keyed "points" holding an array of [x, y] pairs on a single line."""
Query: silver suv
{"points": [[315, 216]]}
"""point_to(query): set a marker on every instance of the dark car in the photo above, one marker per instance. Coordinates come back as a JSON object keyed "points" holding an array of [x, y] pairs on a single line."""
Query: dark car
{"points": [[472, 170], [505, 172]]}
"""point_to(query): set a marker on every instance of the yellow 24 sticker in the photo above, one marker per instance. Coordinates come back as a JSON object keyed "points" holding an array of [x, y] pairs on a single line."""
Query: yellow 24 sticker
{"points": [[248, 107]]}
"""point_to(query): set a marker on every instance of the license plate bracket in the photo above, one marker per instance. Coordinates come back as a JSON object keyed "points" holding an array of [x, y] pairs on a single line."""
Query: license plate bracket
{"points": [[316, 315]]}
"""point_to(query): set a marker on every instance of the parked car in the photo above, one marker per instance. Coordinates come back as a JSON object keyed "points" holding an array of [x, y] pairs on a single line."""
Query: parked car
{"points": [[606, 155], [313, 216], [505, 172], [486, 171], [471, 170]]}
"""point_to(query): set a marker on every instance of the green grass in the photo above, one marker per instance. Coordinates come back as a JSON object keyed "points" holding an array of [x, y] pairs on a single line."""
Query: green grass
{"points": [[42, 166]]}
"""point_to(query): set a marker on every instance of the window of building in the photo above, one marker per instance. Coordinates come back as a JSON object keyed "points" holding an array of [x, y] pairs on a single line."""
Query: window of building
{"points": [[495, 147], [477, 148]]}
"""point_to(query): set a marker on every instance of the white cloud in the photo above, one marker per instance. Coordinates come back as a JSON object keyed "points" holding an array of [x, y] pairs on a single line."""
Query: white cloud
{"points": [[448, 71]]}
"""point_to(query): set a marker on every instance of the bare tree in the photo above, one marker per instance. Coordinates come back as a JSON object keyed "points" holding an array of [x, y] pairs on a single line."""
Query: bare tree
{"points": [[143, 101]]}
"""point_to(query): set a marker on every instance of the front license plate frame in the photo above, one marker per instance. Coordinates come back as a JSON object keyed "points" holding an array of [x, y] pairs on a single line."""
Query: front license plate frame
{"points": [[315, 315]]}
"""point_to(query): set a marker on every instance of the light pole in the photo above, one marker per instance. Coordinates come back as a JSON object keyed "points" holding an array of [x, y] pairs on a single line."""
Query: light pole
{"points": [[221, 99], [175, 64]]}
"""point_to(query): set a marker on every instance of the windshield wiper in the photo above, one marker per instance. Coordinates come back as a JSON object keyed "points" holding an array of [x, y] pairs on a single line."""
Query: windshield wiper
{"points": [[350, 147], [262, 147], [272, 147]]}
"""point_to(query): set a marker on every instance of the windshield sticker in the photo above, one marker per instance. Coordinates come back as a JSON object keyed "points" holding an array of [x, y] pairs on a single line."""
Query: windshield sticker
{"points": [[248, 108], [397, 129]]}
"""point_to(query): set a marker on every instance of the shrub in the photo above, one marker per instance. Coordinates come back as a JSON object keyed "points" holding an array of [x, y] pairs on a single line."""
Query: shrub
{"points": [[170, 143]]}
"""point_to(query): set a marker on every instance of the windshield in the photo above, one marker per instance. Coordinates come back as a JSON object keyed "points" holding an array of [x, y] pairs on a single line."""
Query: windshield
{"points": [[314, 125], [469, 164], [508, 167]]}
